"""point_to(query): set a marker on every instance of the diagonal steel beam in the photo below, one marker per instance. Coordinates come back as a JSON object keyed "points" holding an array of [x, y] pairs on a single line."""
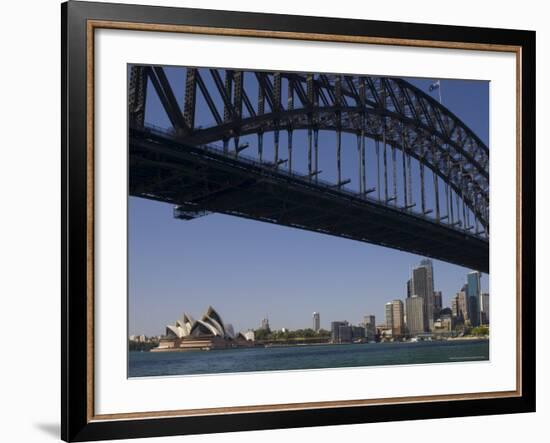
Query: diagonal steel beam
{"points": [[166, 96], [222, 91], [208, 99]]}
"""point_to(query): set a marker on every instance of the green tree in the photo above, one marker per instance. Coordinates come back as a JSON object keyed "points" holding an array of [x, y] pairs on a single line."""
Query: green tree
{"points": [[261, 334], [480, 331]]}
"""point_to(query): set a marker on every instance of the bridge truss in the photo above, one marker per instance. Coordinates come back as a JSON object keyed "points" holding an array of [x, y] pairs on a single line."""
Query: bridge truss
{"points": [[403, 124]]}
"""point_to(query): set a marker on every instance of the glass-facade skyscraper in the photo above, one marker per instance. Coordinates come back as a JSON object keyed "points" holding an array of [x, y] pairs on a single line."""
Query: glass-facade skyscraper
{"points": [[423, 286], [484, 308], [474, 295]]}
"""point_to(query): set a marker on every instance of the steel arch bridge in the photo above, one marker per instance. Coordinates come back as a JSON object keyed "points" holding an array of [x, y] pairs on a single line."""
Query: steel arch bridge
{"points": [[204, 168]]}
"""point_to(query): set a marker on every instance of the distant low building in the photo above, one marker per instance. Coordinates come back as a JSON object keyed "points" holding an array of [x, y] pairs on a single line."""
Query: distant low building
{"points": [[335, 330], [345, 334], [443, 325], [358, 334], [248, 335], [384, 331], [370, 327]]}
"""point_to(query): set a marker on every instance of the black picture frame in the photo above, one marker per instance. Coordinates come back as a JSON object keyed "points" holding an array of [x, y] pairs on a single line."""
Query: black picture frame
{"points": [[76, 424]]}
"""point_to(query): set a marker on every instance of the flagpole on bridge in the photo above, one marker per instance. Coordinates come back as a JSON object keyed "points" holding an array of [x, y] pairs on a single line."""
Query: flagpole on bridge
{"points": [[436, 85]]}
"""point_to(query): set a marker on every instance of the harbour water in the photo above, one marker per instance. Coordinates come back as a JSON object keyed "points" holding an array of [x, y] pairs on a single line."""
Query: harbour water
{"points": [[144, 364]]}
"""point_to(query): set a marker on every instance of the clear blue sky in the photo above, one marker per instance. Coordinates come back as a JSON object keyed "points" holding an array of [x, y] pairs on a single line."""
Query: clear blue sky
{"points": [[249, 269]]}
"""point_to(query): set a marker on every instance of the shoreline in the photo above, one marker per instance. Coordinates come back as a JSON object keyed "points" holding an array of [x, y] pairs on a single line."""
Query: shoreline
{"points": [[296, 345]]}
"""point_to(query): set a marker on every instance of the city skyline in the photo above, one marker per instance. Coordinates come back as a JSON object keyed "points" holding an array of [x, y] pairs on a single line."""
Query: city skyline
{"points": [[378, 310]]}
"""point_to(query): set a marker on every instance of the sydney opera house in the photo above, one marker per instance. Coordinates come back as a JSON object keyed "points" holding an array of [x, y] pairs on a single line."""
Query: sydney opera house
{"points": [[205, 334]]}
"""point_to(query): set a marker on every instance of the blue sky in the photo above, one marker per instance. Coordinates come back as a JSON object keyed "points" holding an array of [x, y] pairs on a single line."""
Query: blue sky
{"points": [[248, 269]]}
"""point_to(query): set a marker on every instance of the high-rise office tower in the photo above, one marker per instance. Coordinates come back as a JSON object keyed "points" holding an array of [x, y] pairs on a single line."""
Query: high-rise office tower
{"points": [[427, 263], [474, 292], [454, 306], [395, 318], [484, 308], [430, 308], [438, 303], [409, 288], [463, 307], [265, 324], [415, 315], [398, 328], [388, 315], [316, 321], [474, 312], [422, 285]]}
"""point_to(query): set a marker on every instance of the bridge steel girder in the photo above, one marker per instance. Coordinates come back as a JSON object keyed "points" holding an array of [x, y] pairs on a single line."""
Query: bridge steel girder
{"points": [[211, 181], [423, 118], [402, 133], [137, 93], [389, 109]]}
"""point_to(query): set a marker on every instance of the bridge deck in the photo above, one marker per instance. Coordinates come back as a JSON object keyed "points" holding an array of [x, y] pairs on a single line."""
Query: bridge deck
{"points": [[203, 180]]}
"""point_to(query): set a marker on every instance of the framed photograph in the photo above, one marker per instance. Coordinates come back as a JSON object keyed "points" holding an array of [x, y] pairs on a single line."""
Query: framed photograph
{"points": [[277, 221]]}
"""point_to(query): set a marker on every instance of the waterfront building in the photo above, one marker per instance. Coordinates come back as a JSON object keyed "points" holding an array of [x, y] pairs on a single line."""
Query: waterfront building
{"points": [[335, 330], [316, 321], [209, 332], [370, 327], [416, 323], [484, 308], [398, 316], [444, 325], [248, 334], [345, 333], [358, 333], [438, 303], [474, 294], [423, 286]]}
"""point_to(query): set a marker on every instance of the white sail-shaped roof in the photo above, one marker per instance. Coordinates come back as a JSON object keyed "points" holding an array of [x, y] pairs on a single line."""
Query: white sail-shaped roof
{"points": [[211, 323]]}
